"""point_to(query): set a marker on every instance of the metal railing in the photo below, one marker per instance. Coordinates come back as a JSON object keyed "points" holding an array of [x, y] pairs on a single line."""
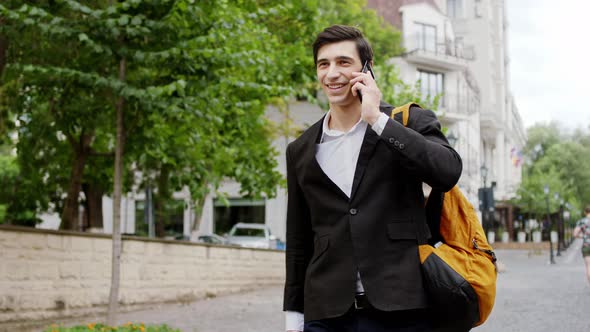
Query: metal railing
{"points": [[460, 103], [451, 48]]}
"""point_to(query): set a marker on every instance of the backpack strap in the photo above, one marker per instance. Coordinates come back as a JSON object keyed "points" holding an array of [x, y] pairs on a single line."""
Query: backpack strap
{"points": [[430, 232], [433, 209], [405, 111]]}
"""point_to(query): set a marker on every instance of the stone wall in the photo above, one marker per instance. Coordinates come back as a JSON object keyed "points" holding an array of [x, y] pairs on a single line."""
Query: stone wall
{"points": [[523, 245], [46, 275]]}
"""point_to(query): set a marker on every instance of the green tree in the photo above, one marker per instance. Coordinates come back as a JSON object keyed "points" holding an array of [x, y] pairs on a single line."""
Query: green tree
{"points": [[179, 81], [554, 158], [15, 211], [192, 90]]}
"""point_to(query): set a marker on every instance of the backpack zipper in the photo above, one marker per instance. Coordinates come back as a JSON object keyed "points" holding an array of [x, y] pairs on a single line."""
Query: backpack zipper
{"points": [[487, 251]]}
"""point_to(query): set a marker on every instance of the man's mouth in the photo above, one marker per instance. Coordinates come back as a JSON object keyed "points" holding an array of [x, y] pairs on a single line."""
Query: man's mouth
{"points": [[335, 86]]}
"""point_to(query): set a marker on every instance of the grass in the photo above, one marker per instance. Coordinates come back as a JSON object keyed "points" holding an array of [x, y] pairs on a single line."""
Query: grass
{"points": [[97, 327]]}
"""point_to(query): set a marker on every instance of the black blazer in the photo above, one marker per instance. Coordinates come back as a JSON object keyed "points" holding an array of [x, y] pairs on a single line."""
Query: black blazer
{"points": [[377, 231]]}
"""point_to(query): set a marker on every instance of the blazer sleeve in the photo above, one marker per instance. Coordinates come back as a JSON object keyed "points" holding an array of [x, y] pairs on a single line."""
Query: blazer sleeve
{"points": [[423, 149], [299, 240]]}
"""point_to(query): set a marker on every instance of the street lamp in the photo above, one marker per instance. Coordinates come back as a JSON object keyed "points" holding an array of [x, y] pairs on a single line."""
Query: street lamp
{"points": [[567, 215], [484, 173], [556, 196], [546, 191], [484, 198], [561, 227]]}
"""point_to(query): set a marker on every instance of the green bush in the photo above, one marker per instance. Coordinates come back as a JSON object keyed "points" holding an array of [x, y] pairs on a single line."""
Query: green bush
{"points": [[129, 327], [2, 212]]}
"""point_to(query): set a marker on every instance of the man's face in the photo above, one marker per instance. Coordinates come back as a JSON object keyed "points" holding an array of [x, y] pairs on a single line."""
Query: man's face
{"points": [[335, 63]]}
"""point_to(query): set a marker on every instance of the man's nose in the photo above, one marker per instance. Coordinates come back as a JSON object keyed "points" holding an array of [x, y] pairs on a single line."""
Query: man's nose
{"points": [[333, 71]]}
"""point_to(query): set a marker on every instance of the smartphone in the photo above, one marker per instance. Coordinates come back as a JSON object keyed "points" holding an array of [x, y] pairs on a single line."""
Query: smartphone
{"points": [[366, 68]]}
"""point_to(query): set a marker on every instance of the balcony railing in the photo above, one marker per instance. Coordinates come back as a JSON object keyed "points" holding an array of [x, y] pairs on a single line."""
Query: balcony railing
{"points": [[449, 48], [459, 103]]}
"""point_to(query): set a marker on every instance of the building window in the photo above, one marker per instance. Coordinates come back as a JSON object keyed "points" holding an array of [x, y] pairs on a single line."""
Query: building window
{"points": [[478, 10], [425, 37], [454, 8], [237, 210], [431, 84]]}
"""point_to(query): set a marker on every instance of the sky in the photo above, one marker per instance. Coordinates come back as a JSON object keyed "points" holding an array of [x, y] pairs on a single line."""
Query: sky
{"points": [[549, 52]]}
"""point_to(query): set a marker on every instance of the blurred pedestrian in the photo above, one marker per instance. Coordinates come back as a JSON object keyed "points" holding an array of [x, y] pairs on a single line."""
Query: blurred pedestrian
{"points": [[582, 230]]}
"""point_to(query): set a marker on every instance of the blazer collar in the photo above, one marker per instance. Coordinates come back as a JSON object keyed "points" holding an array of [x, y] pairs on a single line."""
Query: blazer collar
{"points": [[367, 149], [312, 169]]}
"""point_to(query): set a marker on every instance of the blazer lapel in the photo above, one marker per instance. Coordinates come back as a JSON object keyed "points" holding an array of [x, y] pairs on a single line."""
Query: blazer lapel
{"points": [[313, 170], [369, 143], [367, 149]]}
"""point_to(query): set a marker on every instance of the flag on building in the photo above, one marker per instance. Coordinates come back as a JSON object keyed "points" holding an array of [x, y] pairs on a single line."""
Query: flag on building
{"points": [[516, 156]]}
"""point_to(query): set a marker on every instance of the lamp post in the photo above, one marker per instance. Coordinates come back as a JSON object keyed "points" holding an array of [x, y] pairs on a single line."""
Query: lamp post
{"points": [[483, 196], [561, 226], [546, 191], [556, 196], [484, 173], [567, 215]]}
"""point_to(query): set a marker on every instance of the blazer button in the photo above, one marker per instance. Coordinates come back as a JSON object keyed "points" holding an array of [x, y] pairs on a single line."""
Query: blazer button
{"points": [[401, 146], [353, 211], [391, 140], [396, 143]]}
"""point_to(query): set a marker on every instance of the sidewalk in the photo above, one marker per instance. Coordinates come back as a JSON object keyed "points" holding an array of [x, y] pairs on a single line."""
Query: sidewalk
{"points": [[535, 296], [532, 296], [258, 311]]}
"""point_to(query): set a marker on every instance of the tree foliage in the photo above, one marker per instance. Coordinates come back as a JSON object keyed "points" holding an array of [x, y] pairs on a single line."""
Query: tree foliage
{"points": [[556, 159], [17, 211], [193, 95]]}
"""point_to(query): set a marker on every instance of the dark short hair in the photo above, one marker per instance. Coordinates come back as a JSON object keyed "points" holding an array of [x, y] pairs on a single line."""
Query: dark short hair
{"points": [[587, 209], [338, 33]]}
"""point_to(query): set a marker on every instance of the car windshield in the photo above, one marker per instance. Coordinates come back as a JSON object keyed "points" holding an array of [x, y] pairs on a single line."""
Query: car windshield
{"points": [[248, 232]]}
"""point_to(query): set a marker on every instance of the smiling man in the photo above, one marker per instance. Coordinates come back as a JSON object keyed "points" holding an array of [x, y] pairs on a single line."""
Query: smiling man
{"points": [[355, 202]]}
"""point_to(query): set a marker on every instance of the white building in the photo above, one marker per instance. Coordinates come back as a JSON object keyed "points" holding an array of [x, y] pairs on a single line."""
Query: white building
{"points": [[483, 24]]}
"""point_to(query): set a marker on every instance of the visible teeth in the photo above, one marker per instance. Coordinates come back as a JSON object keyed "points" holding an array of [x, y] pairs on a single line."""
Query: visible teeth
{"points": [[335, 86]]}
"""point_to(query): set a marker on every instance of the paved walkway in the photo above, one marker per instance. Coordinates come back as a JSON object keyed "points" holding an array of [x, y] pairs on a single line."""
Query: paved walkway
{"points": [[532, 296], [535, 296]]}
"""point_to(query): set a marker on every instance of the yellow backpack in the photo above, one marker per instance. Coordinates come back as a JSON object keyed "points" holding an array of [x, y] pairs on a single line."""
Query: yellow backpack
{"points": [[459, 266]]}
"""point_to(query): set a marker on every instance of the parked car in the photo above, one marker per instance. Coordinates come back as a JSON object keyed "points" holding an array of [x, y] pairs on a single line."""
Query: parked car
{"points": [[213, 239], [252, 236]]}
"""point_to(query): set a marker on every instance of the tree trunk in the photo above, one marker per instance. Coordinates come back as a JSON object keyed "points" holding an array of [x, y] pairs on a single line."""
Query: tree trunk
{"points": [[160, 216], [198, 211], [3, 49], [160, 198], [93, 212], [70, 214], [117, 191], [198, 206]]}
